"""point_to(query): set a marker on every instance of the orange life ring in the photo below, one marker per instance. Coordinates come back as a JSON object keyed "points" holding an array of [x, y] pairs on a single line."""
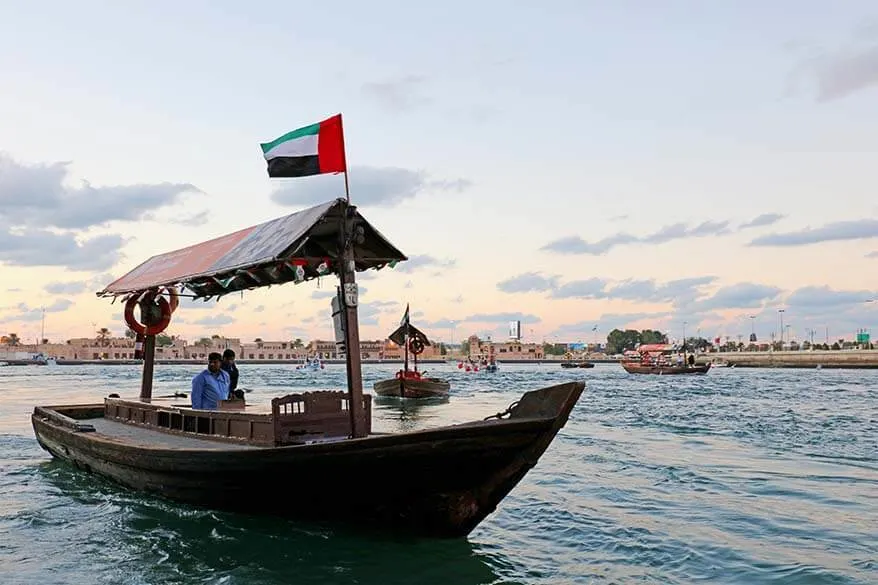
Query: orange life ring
{"points": [[155, 328]]}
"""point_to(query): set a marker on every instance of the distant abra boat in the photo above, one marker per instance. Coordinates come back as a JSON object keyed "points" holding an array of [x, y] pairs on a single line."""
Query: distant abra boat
{"points": [[410, 383], [658, 359], [311, 365]]}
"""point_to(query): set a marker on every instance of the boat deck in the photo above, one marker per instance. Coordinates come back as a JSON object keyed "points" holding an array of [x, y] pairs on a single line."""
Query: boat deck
{"points": [[145, 437]]}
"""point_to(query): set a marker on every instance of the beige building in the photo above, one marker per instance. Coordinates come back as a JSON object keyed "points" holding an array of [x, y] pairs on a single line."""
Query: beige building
{"points": [[509, 350], [393, 351], [122, 348], [271, 350]]}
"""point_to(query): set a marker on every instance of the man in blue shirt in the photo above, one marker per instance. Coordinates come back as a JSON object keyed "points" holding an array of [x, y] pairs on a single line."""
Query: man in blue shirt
{"points": [[211, 385]]}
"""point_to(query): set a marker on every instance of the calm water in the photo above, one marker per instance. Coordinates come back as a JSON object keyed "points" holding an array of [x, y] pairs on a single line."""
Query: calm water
{"points": [[740, 476]]}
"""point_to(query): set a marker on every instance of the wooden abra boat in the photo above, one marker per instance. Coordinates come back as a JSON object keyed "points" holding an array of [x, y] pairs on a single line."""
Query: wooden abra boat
{"points": [[658, 358], [570, 364], [667, 370], [312, 455], [411, 383]]}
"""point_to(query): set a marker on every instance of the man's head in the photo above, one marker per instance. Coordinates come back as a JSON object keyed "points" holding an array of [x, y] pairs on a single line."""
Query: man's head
{"points": [[229, 356], [213, 362]]}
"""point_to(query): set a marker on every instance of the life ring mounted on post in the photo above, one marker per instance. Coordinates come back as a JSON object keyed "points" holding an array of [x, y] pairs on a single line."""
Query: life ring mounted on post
{"points": [[155, 311], [416, 346]]}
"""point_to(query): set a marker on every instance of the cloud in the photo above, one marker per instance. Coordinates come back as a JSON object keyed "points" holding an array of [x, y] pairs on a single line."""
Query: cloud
{"points": [[458, 299], [36, 247], [35, 195], [605, 323], [805, 308], [873, 254], [34, 198], [837, 231], [841, 73], [370, 186], [763, 220], [592, 288], [214, 320], [259, 309], [191, 221], [322, 294], [502, 317], [822, 297], [418, 261], [368, 274], [190, 303], [65, 288], [397, 95], [95, 283], [24, 312], [677, 231], [743, 295], [438, 324], [528, 282]]}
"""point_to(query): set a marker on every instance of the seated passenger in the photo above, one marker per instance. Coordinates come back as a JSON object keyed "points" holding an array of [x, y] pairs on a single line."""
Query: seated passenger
{"points": [[231, 369], [211, 385]]}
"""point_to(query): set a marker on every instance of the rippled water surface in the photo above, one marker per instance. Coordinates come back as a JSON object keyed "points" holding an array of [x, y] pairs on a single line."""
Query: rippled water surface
{"points": [[739, 476]]}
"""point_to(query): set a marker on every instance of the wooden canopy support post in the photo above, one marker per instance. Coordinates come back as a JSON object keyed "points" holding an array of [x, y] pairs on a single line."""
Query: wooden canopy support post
{"points": [[349, 298], [148, 363]]}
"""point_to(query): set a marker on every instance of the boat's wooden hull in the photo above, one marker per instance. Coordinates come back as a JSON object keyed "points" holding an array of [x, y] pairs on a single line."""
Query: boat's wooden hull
{"points": [[413, 388], [665, 370], [440, 482]]}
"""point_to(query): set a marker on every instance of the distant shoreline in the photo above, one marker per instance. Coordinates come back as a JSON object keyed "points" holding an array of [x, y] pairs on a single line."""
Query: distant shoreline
{"points": [[200, 362]]}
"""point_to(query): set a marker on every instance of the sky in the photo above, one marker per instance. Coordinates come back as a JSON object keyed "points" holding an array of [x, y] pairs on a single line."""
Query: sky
{"points": [[576, 165]]}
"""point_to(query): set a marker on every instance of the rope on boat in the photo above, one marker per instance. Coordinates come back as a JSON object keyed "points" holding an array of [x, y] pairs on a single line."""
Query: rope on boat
{"points": [[500, 415]]}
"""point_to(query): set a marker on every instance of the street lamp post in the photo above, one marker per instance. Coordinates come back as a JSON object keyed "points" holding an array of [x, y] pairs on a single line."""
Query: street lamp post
{"points": [[781, 312]]}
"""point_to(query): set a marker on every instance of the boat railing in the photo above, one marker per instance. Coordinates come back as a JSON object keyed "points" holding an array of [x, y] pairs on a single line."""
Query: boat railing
{"points": [[294, 418]]}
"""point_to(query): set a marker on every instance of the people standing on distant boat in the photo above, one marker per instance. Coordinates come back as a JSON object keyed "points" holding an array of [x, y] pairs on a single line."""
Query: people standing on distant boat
{"points": [[679, 359], [231, 369], [211, 385], [691, 359]]}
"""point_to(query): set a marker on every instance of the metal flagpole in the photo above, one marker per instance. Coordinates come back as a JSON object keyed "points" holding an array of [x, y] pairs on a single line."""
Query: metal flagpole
{"points": [[347, 186]]}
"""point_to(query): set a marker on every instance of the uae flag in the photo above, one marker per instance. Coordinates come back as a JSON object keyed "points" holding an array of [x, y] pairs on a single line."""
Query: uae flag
{"points": [[312, 150]]}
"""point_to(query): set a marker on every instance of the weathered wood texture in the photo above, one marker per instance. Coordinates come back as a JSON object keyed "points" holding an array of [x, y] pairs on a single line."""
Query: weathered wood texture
{"points": [[439, 482], [413, 388], [664, 370], [293, 419]]}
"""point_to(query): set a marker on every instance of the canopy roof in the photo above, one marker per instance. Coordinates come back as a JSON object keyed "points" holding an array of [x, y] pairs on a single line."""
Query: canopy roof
{"points": [[398, 336], [262, 255], [651, 347]]}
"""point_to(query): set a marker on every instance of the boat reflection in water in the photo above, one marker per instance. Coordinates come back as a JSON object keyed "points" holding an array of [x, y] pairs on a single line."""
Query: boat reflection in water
{"points": [[168, 541]]}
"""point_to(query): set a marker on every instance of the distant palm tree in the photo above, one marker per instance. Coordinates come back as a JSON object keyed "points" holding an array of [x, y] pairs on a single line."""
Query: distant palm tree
{"points": [[13, 339], [297, 343], [103, 335]]}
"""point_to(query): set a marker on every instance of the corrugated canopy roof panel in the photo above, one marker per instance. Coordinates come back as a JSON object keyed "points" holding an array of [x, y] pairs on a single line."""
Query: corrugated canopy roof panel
{"points": [[263, 255]]}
